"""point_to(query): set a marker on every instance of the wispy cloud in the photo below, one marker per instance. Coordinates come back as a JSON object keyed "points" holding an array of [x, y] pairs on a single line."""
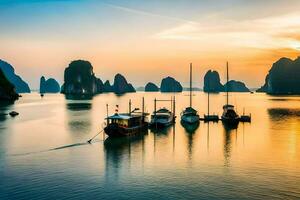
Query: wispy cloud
{"points": [[272, 32], [147, 13]]}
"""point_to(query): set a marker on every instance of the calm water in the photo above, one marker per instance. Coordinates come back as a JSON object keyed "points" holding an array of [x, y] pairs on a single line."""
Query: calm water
{"points": [[44, 154]]}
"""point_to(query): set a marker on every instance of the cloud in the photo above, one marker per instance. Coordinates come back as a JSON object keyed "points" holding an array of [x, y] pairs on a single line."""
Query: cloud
{"points": [[146, 13], [272, 32]]}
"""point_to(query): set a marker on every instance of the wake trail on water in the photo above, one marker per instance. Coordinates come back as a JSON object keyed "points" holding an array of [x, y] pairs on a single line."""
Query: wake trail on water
{"points": [[56, 148]]}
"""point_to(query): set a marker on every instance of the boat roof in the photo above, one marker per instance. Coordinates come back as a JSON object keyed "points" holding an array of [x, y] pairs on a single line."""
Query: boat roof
{"points": [[163, 110], [124, 116], [190, 109], [228, 106]]}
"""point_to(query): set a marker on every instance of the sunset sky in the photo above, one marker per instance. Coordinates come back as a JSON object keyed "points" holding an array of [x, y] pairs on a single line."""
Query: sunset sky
{"points": [[148, 40]]}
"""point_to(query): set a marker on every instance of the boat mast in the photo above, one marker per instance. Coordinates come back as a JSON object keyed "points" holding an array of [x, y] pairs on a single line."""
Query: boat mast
{"points": [[227, 83], [208, 97], [129, 106], [107, 114], [143, 109], [191, 68]]}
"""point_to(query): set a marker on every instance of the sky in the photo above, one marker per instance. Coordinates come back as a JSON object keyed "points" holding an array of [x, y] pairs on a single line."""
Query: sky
{"points": [[149, 40]]}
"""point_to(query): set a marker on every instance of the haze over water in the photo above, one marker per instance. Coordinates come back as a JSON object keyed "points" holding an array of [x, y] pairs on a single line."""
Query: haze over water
{"points": [[44, 154]]}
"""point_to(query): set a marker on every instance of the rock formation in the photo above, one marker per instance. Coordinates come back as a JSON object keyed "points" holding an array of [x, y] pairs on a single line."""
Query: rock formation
{"points": [[151, 87], [9, 72], [121, 86], [49, 86], [283, 77], [212, 82], [80, 79], [7, 89], [169, 84], [236, 86], [107, 87]]}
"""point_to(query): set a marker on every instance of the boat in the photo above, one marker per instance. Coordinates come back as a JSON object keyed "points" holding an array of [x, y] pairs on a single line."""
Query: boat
{"points": [[126, 124], [163, 117], [190, 115], [229, 116]]}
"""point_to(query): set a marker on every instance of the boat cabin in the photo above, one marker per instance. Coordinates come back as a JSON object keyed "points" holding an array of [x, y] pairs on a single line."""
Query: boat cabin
{"points": [[126, 120], [229, 111]]}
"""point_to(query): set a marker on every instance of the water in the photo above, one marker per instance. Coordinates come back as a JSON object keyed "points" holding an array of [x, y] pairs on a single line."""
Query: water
{"points": [[44, 154]]}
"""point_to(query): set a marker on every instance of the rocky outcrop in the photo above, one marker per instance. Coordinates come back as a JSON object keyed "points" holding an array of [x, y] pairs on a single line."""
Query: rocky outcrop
{"points": [[9, 72], [283, 77], [169, 84], [49, 86], [121, 86], [235, 86], [151, 87], [7, 89], [107, 87], [212, 82], [79, 79]]}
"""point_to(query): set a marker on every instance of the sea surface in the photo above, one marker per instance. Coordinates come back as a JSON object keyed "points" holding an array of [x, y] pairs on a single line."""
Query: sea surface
{"points": [[44, 153]]}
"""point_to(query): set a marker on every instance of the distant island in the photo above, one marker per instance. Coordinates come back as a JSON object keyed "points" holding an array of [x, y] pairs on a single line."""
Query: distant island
{"points": [[283, 77], [169, 84], [49, 86], [212, 83], [79, 79], [151, 87], [20, 85], [7, 89]]}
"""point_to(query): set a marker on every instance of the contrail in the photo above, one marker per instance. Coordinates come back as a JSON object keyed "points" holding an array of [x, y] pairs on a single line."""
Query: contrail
{"points": [[146, 13]]}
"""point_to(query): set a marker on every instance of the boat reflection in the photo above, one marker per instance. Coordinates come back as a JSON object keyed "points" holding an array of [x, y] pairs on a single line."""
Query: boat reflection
{"points": [[190, 128], [228, 135], [77, 114], [118, 151], [279, 114], [4, 109]]}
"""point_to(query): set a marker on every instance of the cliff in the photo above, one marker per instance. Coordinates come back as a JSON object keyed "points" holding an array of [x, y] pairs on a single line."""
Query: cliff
{"points": [[9, 72], [79, 79], [7, 89], [121, 85], [49, 86], [169, 84], [283, 77]]}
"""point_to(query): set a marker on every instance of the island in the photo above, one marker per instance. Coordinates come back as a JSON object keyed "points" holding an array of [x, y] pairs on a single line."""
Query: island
{"points": [[169, 84], [151, 87], [20, 85], [7, 89], [283, 77], [236, 86], [49, 86], [121, 86], [79, 79], [212, 82]]}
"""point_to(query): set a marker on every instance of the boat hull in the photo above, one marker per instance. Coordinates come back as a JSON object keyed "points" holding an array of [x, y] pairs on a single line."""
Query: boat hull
{"points": [[190, 119], [161, 124], [230, 122], [117, 131]]}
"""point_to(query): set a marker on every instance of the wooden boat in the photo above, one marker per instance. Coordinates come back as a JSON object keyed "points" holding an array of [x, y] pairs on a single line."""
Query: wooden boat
{"points": [[163, 117], [190, 115], [229, 116], [127, 124]]}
